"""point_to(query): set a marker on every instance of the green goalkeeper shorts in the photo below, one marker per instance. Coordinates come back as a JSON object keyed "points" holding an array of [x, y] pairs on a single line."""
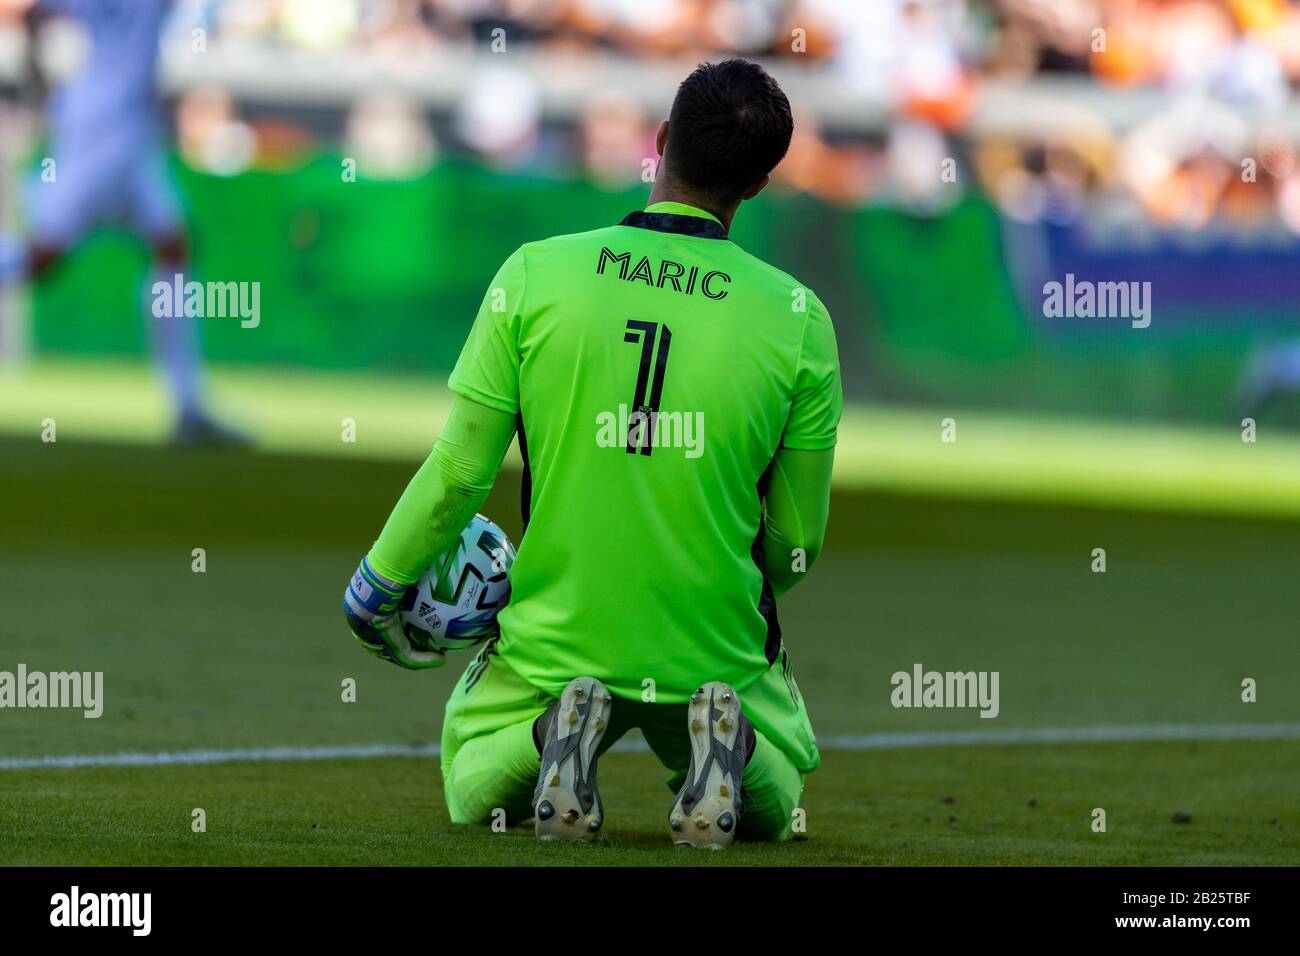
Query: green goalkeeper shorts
{"points": [[490, 762]]}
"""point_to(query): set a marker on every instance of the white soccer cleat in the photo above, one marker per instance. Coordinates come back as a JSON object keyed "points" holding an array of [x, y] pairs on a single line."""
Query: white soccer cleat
{"points": [[566, 803], [708, 806]]}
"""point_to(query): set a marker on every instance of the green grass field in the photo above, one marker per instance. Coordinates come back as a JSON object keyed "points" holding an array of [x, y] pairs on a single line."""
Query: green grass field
{"points": [[95, 574], [882, 807]]}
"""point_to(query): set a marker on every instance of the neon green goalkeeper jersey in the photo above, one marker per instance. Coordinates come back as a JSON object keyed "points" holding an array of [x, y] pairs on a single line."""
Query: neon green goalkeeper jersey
{"points": [[655, 368]]}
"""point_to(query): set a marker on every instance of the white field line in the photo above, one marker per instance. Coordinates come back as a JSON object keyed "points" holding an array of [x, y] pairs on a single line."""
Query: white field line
{"points": [[890, 741]]}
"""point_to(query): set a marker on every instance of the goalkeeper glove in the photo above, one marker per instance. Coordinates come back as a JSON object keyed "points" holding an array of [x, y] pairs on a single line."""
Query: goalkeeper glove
{"points": [[370, 604]]}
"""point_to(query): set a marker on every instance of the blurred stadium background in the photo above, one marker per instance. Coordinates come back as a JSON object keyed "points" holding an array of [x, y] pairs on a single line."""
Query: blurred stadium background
{"points": [[950, 158]]}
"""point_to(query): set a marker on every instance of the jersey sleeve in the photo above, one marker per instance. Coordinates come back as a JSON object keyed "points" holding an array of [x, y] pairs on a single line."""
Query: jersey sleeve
{"points": [[796, 506], [487, 371], [444, 494], [815, 410]]}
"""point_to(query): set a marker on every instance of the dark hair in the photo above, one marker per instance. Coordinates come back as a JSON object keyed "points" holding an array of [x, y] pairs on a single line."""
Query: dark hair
{"points": [[730, 125]]}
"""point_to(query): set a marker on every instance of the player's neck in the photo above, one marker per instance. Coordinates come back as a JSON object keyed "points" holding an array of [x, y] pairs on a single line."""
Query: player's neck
{"points": [[665, 192]]}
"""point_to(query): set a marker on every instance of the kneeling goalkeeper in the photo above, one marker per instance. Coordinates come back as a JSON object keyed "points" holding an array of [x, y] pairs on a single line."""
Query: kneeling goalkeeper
{"points": [[676, 402]]}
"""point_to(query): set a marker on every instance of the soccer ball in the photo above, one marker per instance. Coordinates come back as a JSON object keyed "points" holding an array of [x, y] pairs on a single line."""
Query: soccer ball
{"points": [[454, 605]]}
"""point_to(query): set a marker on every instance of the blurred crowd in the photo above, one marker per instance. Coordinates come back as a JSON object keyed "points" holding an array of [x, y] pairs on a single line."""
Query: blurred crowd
{"points": [[1220, 150], [1243, 43]]}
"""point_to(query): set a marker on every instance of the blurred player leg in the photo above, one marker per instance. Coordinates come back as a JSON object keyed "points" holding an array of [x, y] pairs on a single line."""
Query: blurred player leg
{"points": [[175, 339], [13, 248], [14, 258], [110, 168]]}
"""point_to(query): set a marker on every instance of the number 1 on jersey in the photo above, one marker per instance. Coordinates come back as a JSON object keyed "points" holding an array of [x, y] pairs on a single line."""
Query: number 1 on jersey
{"points": [[641, 423]]}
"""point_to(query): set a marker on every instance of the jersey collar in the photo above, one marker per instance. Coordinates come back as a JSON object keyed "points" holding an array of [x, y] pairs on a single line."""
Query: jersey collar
{"points": [[677, 217]]}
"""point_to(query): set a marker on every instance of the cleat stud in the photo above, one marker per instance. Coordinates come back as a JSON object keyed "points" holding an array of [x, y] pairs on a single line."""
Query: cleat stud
{"points": [[726, 822], [723, 791], [724, 725], [573, 716], [726, 695], [700, 822], [594, 825], [545, 811], [675, 823], [579, 691], [600, 724], [570, 815], [555, 781], [696, 725]]}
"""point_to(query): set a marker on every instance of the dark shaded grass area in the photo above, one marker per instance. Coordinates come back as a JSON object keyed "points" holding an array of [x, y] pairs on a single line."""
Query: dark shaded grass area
{"points": [[968, 806]]}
